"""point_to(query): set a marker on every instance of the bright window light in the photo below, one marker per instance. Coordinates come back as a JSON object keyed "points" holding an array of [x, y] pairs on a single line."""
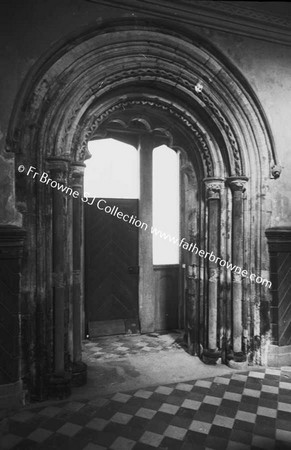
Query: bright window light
{"points": [[112, 171], [165, 206]]}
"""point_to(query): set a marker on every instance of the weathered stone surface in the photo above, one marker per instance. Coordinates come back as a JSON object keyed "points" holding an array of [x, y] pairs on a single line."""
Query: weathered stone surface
{"points": [[8, 211]]}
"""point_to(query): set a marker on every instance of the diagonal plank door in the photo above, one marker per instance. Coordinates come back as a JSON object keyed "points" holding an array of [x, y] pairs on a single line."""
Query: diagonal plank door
{"points": [[111, 269]]}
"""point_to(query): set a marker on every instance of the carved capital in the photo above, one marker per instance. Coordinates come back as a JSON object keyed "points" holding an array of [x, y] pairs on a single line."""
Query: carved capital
{"points": [[276, 171], [237, 183], [59, 169], [96, 121], [77, 175], [213, 187]]}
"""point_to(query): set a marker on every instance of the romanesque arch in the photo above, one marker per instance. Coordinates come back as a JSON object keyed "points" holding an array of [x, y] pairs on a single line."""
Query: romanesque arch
{"points": [[178, 90]]}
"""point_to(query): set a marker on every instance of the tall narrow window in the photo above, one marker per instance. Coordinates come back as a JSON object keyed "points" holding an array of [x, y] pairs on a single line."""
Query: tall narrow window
{"points": [[112, 171], [165, 206]]}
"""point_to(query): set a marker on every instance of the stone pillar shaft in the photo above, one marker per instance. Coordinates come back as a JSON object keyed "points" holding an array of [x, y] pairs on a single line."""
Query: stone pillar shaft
{"points": [[213, 188], [146, 283], [77, 185], [58, 170], [237, 185], [11, 248], [213, 211]]}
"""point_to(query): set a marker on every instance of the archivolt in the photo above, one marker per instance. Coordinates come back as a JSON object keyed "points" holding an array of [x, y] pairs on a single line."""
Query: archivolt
{"points": [[76, 88], [117, 68], [87, 132]]}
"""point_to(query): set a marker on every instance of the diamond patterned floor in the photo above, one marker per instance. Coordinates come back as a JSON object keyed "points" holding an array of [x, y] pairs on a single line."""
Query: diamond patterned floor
{"points": [[110, 347], [238, 411]]}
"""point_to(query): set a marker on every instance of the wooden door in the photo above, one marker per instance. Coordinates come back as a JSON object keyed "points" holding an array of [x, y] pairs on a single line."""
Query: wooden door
{"points": [[167, 297], [111, 269]]}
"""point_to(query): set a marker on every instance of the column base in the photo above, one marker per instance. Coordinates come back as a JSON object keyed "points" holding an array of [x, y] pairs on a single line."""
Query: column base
{"points": [[238, 361], [210, 356], [10, 397], [238, 365], [79, 374], [59, 385]]}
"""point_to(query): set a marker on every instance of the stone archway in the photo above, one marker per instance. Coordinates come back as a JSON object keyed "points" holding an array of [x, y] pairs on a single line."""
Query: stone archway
{"points": [[176, 86]]}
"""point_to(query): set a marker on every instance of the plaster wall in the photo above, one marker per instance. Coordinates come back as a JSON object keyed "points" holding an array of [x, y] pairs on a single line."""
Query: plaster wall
{"points": [[267, 68]]}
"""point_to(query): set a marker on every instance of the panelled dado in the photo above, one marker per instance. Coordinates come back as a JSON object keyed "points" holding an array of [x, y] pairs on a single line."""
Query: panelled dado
{"points": [[134, 78]]}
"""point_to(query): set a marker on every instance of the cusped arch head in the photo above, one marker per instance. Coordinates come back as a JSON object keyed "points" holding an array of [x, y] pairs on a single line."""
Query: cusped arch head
{"points": [[133, 66]]}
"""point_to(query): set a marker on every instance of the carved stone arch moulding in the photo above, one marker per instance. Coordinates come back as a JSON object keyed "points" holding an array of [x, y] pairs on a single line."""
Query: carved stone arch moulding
{"points": [[136, 124], [76, 89], [89, 129], [64, 85], [63, 140]]}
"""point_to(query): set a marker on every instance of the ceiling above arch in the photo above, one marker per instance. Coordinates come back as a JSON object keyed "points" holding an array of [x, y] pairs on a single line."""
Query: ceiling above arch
{"points": [[265, 20]]}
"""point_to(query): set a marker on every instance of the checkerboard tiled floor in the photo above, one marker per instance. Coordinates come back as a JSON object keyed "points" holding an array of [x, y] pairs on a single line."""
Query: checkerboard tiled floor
{"points": [[243, 410], [113, 347]]}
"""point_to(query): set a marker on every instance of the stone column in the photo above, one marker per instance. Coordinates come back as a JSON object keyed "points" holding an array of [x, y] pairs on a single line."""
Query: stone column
{"points": [[11, 249], [213, 188], [59, 383], [146, 280], [237, 185], [79, 368]]}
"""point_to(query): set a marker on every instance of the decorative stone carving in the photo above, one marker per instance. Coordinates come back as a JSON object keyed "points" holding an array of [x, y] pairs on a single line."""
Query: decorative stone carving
{"points": [[74, 113], [59, 169], [237, 183], [137, 123], [229, 132], [276, 171], [213, 188], [95, 122], [64, 113], [157, 72], [199, 87], [77, 174]]}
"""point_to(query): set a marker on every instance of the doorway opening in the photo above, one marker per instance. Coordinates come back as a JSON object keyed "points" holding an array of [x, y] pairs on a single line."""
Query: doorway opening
{"points": [[114, 231], [111, 186], [166, 220]]}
